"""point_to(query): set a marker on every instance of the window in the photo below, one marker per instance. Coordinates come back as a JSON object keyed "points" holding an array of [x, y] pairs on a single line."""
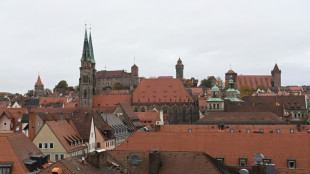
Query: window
{"points": [[40, 145], [19, 120], [142, 109], [291, 163], [48, 157], [266, 161], [220, 159], [291, 130], [6, 168], [51, 145], [242, 162], [106, 144], [17, 128], [98, 145], [56, 157], [278, 130], [218, 106], [39, 124], [45, 145], [190, 130], [248, 130], [232, 130], [261, 130], [4, 124], [62, 156]]}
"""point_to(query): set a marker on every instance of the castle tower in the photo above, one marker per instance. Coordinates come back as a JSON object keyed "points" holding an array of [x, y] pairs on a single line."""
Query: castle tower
{"points": [[134, 71], [179, 67], [87, 81], [276, 74], [38, 88]]}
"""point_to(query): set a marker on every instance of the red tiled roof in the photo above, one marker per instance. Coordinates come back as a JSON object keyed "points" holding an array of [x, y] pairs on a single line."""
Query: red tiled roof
{"points": [[65, 133], [15, 148], [148, 116], [240, 118], [232, 146], [296, 88], [197, 91], [15, 113], [39, 82], [253, 81], [161, 90], [110, 100], [116, 92], [48, 100], [231, 72]]}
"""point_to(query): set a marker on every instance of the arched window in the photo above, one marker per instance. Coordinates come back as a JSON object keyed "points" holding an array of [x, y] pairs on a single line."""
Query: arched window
{"points": [[165, 110], [184, 115], [136, 109], [142, 109], [85, 93]]}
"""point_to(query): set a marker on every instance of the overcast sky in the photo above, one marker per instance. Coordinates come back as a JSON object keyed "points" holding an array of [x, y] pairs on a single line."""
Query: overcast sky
{"points": [[46, 37]]}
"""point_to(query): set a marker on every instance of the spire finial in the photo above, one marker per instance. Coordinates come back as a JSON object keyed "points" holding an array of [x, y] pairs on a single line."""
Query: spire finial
{"points": [[230, 66], [134, 60]]}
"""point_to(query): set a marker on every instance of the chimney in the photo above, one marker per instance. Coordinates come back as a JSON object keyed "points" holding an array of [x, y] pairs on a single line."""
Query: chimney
{"points": [[97, 159], [270, 169], [57, 171], [258, 169], [154, 161]]}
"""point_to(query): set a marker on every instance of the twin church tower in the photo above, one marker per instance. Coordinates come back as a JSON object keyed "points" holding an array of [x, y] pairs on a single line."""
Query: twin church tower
{"points": [[87, 81]]}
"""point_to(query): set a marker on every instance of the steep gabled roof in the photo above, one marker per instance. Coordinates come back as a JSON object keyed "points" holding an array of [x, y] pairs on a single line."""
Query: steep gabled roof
{"points": [[39, 82], [161, 90], [110, 100], [66, 134], [254, 81]]}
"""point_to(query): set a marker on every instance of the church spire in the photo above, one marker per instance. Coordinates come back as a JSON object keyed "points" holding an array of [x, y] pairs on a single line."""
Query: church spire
{"points": [[85, 54], [91, 51]]}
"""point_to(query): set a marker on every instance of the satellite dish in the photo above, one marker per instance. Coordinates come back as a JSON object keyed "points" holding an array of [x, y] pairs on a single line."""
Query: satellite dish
{"points": [[243, 171], [134, 159], [258, 158]]}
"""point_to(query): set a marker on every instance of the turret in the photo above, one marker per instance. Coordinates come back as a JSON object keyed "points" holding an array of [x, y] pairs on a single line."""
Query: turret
{"points": [[179, 67], [276, 74]]}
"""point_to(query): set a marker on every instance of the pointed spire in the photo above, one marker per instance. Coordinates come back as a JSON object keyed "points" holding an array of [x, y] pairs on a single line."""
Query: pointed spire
{"points": [[85, 54], [39, 82], [91, 51], [276, 69]]}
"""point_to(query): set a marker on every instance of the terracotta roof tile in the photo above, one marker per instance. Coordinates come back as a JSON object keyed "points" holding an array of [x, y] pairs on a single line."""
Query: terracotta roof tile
{"points": [[49, 100], [39, 82], [110, 100], [148, 118], [231, 72], [111, 74], [253, 81], [240, 118], [232, 146], [64, 131], [161, 90], [15, 114]]}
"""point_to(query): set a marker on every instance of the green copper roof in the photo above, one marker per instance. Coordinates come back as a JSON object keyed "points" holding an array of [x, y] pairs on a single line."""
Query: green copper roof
{"points": [[215, 88], [238, 92], [233, 99], [85, 54], [231, 89], [215, 100], [91, 51]]}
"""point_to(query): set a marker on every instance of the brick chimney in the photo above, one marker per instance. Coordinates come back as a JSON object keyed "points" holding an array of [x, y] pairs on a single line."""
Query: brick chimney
{"points": [[258, 169], [97, 159], [154, 161]]}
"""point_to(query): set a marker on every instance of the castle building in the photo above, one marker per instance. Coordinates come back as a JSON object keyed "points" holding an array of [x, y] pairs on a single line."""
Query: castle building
{"points": [[215, 103], [256, 81], [179, 67], [87, 81], [38, 88], [106, 79]]}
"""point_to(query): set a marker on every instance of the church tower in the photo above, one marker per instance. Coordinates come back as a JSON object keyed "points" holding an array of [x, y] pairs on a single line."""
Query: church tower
{"points": [[38, 88], [87, 81], [276, 74], [179, 67]]}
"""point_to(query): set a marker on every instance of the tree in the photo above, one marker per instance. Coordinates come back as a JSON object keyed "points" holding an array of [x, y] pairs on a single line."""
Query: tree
{"points": [[30, 93], [189, 84], [219, 82], [226, 85], [118, 86], [77, 88], [62, 85], [207, 83], [245, 91]]}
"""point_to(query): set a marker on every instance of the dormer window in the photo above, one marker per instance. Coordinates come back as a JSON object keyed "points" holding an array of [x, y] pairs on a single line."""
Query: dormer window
{"points": [[291, 163], [19, 120], [79, 142], [71, 143], [75, 143]]}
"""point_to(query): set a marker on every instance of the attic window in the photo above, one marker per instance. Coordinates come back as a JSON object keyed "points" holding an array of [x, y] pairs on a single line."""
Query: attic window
{"points": [[6, 168], [291, 130], [232, 130], [242, 162], [190, 130], [266, 161], [220, 159], [291, 163], [19, 120], [17, 128], [278, 130]]}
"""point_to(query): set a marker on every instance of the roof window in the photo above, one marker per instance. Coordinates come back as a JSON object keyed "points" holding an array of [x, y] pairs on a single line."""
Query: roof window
{"points": [[17, 128], [19, 120], [291, 163], [291, 130]]}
